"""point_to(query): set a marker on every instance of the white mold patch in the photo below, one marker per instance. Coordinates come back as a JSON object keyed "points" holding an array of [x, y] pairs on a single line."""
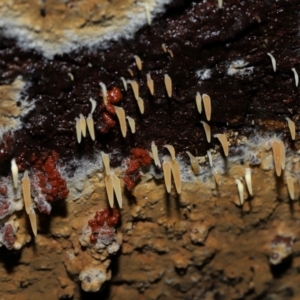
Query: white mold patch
{"points": [[13, 107], [203, 74], [62, 28], [239, 67]]}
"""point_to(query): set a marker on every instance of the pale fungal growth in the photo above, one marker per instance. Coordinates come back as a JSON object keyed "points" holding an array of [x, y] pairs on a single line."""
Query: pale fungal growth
{"points": [[290, 185], [199, 102], [223, 140], [138, 62], [278, 156], [171, 150], [124, 83], [135, 88], [164, 47], [71, 76], [155, 154], [273, 61], [168, 85], [220, 4], [141, 105], [248, 180], [104, 92], [175, 168], [292, 128], [209, 158], [105, 159], [240, 190], [150, 84], [194, 163], [207, 106], [82, 122], [90, 126], [26, 191], [117, 188], [122, 120], [93, 103], [171, 53], [131, 123], [130, 72], [90, 120], [78, 130], [112, 182], [33, 222], [296, 76], [15, 172], [148, 14], [207, 131], [167, 175]]}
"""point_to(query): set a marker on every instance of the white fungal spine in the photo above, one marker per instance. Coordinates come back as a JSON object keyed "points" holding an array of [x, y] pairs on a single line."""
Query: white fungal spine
{"points": [[296, 76], [124, 83], [273, 61], [240, 190], [90, 120], [15, 172], [220, 4], [104, 92], [248, 180]]}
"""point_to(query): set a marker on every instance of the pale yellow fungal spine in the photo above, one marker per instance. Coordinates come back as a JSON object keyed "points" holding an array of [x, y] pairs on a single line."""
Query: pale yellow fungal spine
{"points": [[223, 140], [104, 92], [167, 175], [150, 84], [290, 185], [292, 128], [220, 4], [131, 123], [171, 53], [90, 120], [112, 183], [141, 105], [33, 221], [207, 131], [122, 120], [199, 102], [130, 72], [155, 154], [15, 172], [194, 163], [82, 123], [175, 168], [278, 156], [135, 88], [273, 61], [138, 62], [164, 47], [26, 191], [207, 106], [168, 85]]}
